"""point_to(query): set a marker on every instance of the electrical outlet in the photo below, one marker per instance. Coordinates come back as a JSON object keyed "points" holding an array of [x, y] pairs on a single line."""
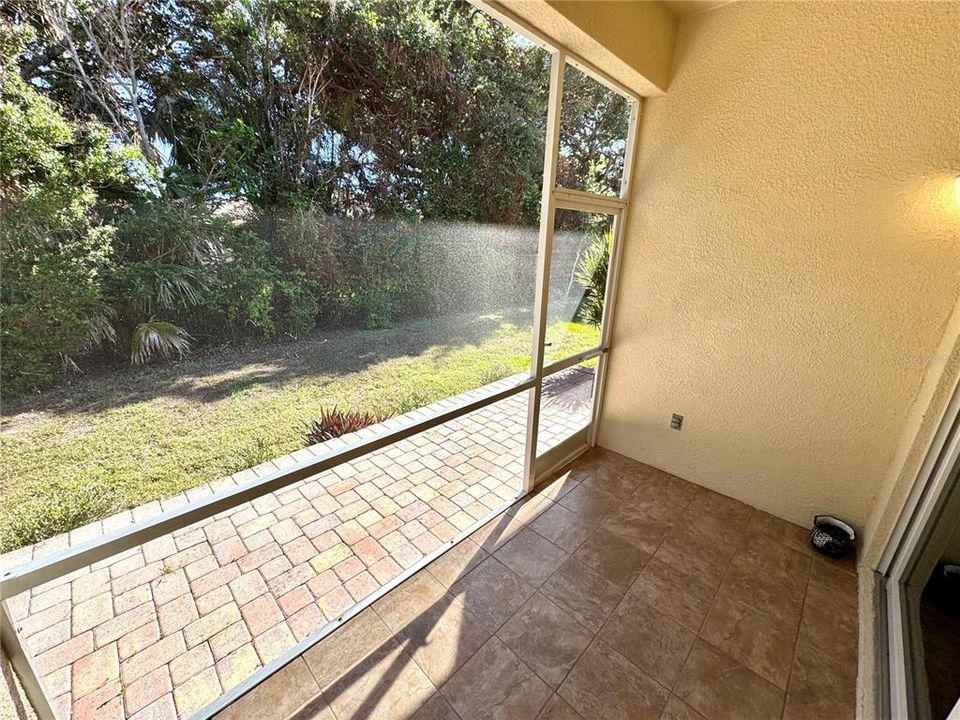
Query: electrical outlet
{"points": [[676, 422]]}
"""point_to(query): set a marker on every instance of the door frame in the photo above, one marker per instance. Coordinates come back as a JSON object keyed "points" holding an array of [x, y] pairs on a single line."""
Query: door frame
{"points": [[915, 546], [555, 198]]}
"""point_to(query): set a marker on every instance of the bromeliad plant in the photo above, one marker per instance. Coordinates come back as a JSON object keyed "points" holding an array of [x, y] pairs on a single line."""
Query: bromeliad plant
{"points": [[334, 423]]}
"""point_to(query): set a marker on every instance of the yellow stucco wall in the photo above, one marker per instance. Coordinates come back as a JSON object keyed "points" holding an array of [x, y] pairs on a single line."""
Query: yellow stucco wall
{"points": [[640, 34], [631, 41], [792, 257]]}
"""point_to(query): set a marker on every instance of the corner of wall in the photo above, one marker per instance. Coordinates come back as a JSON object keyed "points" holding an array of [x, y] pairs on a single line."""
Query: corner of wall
{"points": [[919, 429]]}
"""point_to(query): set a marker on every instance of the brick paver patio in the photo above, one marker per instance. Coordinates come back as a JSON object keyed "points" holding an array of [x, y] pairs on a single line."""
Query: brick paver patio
{"points": [[163, 629]]}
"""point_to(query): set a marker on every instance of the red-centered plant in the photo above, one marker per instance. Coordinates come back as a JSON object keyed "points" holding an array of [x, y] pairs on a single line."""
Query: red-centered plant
{"points": [[334, 423]]}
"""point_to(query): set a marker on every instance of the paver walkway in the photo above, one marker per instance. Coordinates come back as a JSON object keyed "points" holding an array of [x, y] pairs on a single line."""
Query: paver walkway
{"points": [[161, 630]]}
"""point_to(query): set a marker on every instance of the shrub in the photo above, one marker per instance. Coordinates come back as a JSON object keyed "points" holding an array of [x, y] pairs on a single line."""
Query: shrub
{"points": [[166, 254], [53, 245], [366, 272], [296, 303], [334, 423], [243, 292]]}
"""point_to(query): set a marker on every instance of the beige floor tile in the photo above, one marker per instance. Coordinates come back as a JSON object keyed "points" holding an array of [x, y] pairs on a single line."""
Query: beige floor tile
{"points": [[830, 622], [642, 530], [691, 555], [825, 574], [495, 683], [347, 646], [590, 502], [754, 638], [603, 684], [611, 478], [662, 496], [532, 557], [720, 688], [279, 697], [406, 602], [649, 639], [582, 593], [386, 685], [546, 638], [558, 486], [677, 709], [443, 638], [530, 507], [773, 528], [316, 709], [787, 568], [437, 708], [821, 686], [679, 596], [763, 593], [601, 457], [492, 592], [707, 503], [613, 557], [457, 562], [558, 709], [715, 530], [563, 527], [498, 532]]}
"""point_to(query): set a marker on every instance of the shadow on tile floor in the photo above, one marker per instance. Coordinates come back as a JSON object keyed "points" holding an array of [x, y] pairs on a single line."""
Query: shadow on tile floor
{"points": [[615, 591]]}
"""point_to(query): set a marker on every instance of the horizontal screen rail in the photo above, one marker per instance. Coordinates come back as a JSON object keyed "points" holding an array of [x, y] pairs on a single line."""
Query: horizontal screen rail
{"points": [[42, 570], [569, 199], [569, 362]]}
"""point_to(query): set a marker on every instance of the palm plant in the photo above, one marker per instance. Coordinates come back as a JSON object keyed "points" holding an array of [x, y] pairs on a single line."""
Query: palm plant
{"points": [[154, 338], [167, 253], [591, 275]]}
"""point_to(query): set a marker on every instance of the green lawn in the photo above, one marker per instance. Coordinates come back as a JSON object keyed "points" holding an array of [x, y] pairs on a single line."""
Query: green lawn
{"points": [[104, 442]]}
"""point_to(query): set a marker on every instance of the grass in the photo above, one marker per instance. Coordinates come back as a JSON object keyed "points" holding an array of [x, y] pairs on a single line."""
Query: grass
{"points": [[114, 440]]}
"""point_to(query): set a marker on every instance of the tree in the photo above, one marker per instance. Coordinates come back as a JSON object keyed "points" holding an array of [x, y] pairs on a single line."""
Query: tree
{"points": [[103, 48], [207, 169], [54, 250]]}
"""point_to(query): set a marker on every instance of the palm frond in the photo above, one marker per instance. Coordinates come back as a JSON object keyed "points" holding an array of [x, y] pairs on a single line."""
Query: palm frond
{"points": [[100, 329], [179, 286], [157, 338], [591, 275]]}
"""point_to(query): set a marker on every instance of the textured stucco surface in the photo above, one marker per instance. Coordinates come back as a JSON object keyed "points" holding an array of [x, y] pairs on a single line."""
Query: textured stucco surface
{"points": [[792, 256], [629, 40]]}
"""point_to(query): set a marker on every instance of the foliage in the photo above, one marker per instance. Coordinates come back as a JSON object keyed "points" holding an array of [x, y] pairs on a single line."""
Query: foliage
{"points": [[591, 275], [593, 133], [54, 248], [220, 170], [368, 272], [334, 423], [157, 338]]}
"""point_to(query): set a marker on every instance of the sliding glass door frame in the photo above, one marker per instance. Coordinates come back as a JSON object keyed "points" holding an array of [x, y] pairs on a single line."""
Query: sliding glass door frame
{"points": [[915, 546]]}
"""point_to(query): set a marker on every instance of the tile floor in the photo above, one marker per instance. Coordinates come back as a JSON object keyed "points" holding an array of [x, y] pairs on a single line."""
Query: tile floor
{"points": [[159, 631], [616, 591]]}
